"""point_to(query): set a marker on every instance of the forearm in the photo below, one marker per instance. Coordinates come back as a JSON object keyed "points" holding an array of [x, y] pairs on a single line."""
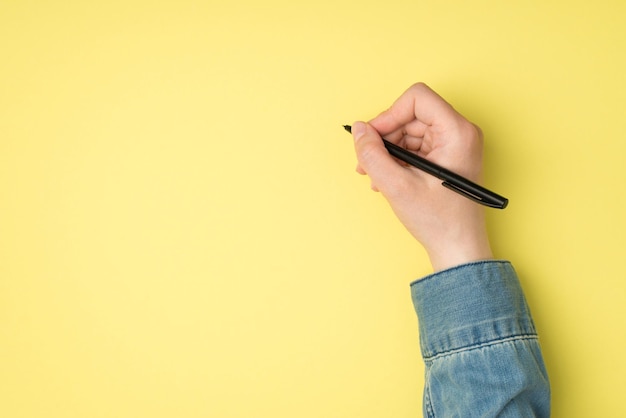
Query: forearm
{"points": [[479, 344]]}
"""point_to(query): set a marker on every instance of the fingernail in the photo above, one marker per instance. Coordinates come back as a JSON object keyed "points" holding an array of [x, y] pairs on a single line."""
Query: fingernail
{"points": [[358, 130]]}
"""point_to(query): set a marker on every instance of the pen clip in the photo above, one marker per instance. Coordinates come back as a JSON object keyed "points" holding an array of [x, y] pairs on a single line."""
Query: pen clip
{"points": [[470, 196]]}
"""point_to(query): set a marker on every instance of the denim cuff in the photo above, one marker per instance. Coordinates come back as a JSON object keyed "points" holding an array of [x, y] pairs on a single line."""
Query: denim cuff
{"points": [[469, 306]]}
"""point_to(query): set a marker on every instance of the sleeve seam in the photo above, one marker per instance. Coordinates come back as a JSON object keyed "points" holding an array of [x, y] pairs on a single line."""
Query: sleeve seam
{"points": [[459, 267], [479, 346]]}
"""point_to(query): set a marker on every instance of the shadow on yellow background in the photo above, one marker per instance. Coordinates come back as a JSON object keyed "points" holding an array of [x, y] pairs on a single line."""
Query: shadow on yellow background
{"points": [[182, 233]]}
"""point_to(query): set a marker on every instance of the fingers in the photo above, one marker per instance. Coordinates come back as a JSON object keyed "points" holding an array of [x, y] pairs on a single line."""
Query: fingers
{"points": [[418, 107], [410, 136]]}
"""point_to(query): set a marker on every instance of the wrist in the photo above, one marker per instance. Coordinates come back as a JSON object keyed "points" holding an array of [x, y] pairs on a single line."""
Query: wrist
{"points": [[455, 257], [463, 246]]}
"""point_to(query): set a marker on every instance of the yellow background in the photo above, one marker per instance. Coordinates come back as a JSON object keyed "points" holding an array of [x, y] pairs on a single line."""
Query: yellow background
{"points": [[182, 233]]}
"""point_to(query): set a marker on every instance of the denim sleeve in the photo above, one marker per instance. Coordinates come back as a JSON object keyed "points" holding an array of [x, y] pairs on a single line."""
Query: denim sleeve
{"points": [[479, 344]]}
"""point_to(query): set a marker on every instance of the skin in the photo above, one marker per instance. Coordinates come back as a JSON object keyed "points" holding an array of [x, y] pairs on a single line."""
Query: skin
{"points": [[450, 227]]}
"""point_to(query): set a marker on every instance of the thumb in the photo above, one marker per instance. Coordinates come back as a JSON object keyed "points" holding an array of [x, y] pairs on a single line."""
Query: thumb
{"points": [[373, 157]]}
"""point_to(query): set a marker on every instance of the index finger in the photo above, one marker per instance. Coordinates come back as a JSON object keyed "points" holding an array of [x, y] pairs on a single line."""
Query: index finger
{"points": [[418, 102]]}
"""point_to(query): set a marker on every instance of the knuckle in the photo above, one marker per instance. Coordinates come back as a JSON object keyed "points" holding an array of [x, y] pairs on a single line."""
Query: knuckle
{"points": [[419, 86], [470, 133]]}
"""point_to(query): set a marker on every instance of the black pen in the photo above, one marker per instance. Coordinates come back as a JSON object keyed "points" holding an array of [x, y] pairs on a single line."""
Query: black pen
{"points": [[451, 180]]}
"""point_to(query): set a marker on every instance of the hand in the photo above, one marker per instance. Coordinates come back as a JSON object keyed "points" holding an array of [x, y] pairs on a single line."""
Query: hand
{"points": [[449, 226]]}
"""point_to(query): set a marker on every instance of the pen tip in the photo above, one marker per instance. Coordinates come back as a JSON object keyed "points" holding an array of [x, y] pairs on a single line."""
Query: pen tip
{"points": [[347, 128]]}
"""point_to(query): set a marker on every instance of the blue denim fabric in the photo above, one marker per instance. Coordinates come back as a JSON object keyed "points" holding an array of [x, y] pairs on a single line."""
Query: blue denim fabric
{"points": [[479, 344]]}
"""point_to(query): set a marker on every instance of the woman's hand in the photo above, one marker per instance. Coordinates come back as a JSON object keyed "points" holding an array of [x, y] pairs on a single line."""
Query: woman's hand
{"points": [[449, 226]]}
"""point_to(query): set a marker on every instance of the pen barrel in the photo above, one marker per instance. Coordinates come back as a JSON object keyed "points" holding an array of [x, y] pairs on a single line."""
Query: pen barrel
{"points": [[451, 180], [414, 160]]}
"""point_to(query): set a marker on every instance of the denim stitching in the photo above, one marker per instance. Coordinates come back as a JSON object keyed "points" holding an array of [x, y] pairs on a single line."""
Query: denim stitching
{"points": [[481, 345]]}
